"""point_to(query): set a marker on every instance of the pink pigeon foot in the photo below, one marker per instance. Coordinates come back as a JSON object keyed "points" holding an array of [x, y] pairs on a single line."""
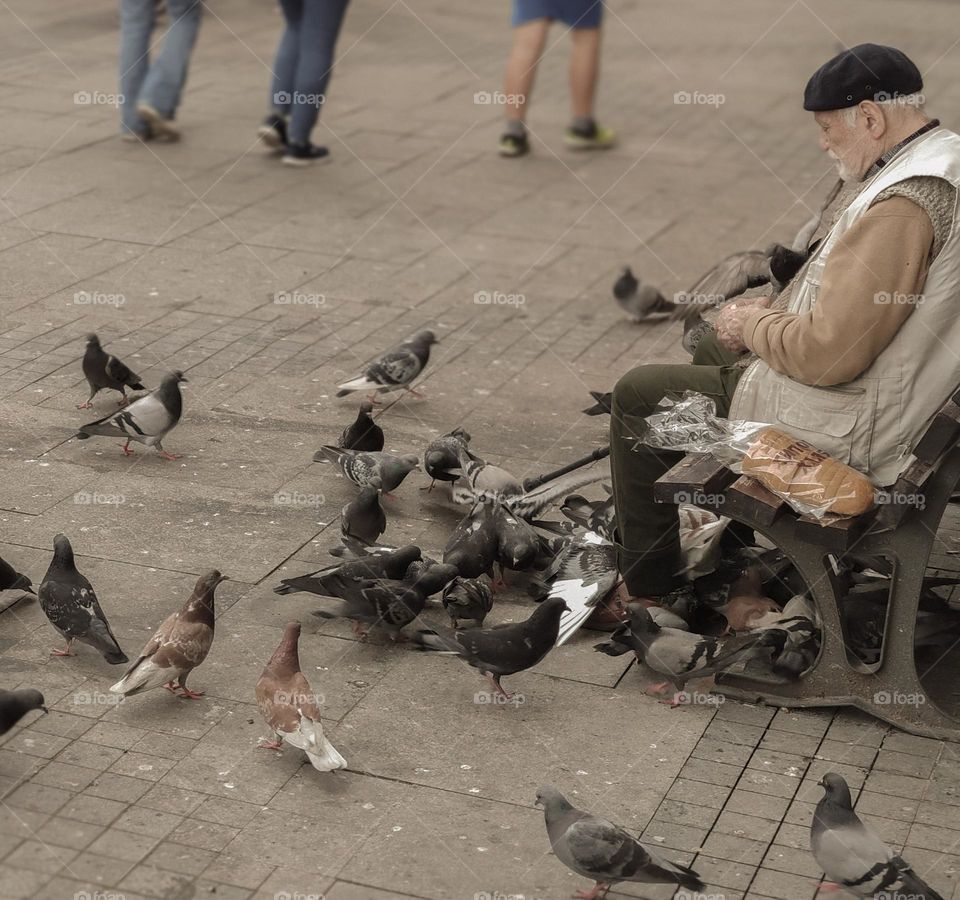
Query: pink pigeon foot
{"points": [[87, 405], [126, 449], [170, 456], [123, 401], [56, 651], [499, 688], [828, 887], [187, 694], [415, 393], [372, 399], [598, 891], [270, 745]]}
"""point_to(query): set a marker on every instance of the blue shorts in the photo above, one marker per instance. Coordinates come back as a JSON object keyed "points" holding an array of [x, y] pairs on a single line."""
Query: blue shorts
{"points": [[575, 13]]}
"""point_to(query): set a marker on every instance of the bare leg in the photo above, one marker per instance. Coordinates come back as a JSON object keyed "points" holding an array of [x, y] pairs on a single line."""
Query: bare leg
{"points": [[584, 69], [528, 42]]}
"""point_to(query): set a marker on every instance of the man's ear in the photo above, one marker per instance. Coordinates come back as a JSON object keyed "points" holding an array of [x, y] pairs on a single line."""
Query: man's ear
{"points": [[874, 117]]}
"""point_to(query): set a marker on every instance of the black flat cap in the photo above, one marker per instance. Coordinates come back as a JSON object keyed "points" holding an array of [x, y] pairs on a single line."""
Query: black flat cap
{"points": [[864, 72]]}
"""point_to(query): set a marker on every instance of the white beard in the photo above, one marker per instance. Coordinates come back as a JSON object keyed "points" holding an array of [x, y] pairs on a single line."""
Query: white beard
{"points": [[844, 172]]}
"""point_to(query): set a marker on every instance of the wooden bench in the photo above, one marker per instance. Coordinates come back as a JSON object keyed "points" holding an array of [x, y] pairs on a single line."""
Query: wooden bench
{"points": [[901, 532]]}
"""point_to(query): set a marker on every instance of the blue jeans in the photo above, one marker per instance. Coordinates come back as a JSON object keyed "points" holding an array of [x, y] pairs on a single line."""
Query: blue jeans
{"points": [[160, 82], [304, 61]]}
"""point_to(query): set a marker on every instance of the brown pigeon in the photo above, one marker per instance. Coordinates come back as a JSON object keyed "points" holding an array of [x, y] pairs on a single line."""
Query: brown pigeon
{"points": [[180, 644], [290, 708]]}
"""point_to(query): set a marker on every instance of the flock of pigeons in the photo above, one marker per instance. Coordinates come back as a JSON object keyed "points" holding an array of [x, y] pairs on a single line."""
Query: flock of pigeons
{"points": [[567, 566]]}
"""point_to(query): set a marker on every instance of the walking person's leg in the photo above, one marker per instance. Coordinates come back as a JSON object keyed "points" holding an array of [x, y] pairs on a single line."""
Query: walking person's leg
{"points": [[136, 26], [160, 95], [322, 20], [529, 39], [584, 133], [273, 130]]}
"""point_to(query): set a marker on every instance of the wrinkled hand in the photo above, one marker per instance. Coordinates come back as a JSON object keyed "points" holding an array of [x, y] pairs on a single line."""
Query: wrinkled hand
{"points": [[730, 321]]}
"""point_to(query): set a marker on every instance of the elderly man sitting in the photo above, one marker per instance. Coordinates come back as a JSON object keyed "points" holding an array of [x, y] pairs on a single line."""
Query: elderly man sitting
{"points": [[860, 349]]}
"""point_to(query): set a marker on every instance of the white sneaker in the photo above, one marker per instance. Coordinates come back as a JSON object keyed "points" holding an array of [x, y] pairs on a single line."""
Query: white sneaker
{"points": [[161, 128]]}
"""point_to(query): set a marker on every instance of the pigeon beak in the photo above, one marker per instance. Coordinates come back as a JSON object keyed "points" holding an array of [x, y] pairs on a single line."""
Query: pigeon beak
{"points": [[45, 710], [184, 379]]}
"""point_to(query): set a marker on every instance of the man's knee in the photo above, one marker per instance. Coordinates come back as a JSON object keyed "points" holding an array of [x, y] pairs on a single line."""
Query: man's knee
{"points": [[640, 390]]}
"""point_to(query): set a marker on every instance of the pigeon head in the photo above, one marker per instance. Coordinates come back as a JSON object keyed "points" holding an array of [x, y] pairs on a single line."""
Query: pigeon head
{"points": [[460, 433], [366, 408], [286, 658], [29, 699], [200, 605], [836, 790], [641, 622], [410, 461], [436, 577], [552, 607], [93, 340], [177, 377], [552, 801], [62, 552], [426, 337]]}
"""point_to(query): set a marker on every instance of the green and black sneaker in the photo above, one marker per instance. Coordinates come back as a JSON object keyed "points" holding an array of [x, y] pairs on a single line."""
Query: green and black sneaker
{"points": [[514, 145], [595, 138]]}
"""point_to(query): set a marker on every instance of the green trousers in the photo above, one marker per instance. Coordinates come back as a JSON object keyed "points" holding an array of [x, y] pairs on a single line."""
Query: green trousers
{"points": [[648, 544]]}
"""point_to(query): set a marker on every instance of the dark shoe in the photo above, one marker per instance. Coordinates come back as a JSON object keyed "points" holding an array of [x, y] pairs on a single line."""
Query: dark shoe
{"points": [[273, 132], [512, 145], [303, 154]]}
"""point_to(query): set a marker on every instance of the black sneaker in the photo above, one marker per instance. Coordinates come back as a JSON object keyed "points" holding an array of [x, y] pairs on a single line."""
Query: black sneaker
{"points": [[273, 132], [303, 154], [514, 145]]}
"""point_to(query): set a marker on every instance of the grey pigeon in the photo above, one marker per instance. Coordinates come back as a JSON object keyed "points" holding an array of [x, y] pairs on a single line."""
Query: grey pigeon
{"points": [[68, 601], [529, 504], [853, 856], [596, 848], [594, 515], [518, 544], [147, 420], [363, 468], [392, 564], [467, 598], [681, 655], [12, 580], [364, 433], [363, 517], [394, 369], [472, 547], [503, 649], [637, 298], [441, 458], [377, 601], [587, 572], [481, 477], [14, 705], [104, 371]]}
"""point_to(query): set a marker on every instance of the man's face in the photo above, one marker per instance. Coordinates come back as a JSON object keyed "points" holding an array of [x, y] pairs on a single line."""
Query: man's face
{"points": [[852, 147]]}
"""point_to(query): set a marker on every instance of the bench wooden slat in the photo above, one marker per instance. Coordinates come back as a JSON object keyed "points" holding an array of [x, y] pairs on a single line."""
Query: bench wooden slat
{"points": [[696, 473], [837, 535], [747, 496], [941, 434]]}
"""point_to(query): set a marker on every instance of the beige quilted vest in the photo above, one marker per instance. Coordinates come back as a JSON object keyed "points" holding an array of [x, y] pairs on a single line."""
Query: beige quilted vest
{"points": [[873, 421]]}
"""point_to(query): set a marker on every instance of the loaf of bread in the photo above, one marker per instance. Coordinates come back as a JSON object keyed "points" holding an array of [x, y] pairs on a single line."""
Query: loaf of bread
{"points": [[799, 471]]}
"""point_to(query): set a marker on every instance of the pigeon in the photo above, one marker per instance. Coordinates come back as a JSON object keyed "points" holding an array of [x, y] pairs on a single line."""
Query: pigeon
{"points": [[503, 649], [105, 371], [290, 708], [362, 468], [587, 574], [602, 405], [363, 517], [853, 856], [392, 565], [147, 420], [180, 644], [677, 654], [467, 598], [12, 580], [531, 503], [481, 477], [639, 299], [776, 265], [598, 849], [364, 434], [394, 369], [441, 458], [472, 547], [518, 544], [594, 515], [379, 601], [14, 705], [69, 602]]}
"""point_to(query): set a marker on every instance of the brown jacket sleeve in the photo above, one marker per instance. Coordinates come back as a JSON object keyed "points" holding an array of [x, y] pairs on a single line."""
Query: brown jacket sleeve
{"points": [[886, 252]]}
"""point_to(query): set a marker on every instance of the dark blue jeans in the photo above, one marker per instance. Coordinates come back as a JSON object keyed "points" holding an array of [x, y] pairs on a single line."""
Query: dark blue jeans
{"points": [[304, 62]]}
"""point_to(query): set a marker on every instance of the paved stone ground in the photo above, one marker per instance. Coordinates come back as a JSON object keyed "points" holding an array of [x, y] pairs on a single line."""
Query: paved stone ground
{"points": [[159, 797]]}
